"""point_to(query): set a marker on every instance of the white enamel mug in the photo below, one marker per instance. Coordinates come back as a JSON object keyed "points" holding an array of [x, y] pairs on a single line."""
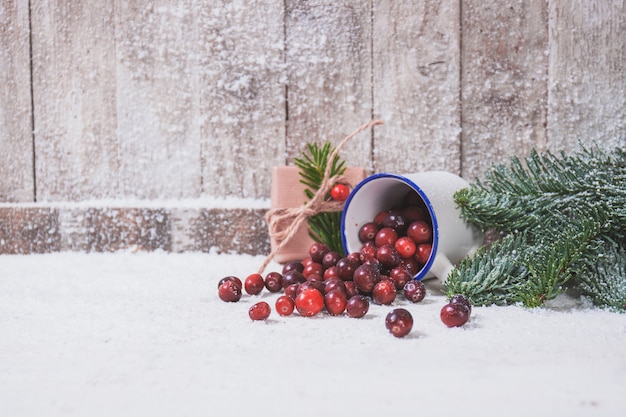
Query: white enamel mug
{"points": [[453, 239]]}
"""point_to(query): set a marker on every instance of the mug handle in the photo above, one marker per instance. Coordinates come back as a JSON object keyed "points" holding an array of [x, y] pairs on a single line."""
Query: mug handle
{"points": [[441, 267]]}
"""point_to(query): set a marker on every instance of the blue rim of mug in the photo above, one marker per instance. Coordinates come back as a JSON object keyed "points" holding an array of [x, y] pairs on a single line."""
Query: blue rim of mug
{"points": [[424, 270]]}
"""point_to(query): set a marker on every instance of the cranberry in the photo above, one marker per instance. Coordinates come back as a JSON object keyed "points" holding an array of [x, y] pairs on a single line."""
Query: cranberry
{"points": [[396, 221], [413, 213], [331, 272], [334, 283], [284, 305], [386, 236], [405, 246], [306, 261], [330, 259], [274, 282], [259, 311], [461, 299], [291, 266], [400, 277], [233, 278], [384, 292], [315, 284], [454, 315], [313, 268], [414, 291], [420, 231], [368, 250], [423, 253], [410, 264], [355, 257], [365, 277], [292, 291], [351, 289], [229, 291], [388, 256], [254, 284], [357, 306], [380, 217], [340, 192], [399, 322], [335, 301], [309, 302], [292, 277], [346, 268], [317, 252], [368, 231]]}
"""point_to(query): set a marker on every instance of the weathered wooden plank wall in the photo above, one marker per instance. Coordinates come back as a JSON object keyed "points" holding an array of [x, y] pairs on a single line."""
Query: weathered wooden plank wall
{"points": [[153, 101]]}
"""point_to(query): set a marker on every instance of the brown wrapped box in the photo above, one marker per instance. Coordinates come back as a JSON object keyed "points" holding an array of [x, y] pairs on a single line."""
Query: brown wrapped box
{"points": [[288, 192]]}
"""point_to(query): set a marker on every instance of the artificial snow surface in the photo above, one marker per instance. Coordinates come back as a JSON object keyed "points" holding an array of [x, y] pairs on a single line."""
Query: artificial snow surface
{"points": [[144, 334]]}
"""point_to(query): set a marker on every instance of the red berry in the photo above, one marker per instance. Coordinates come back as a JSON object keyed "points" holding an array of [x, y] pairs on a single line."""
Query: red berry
{"points": [[346, 268], [410, 264], [229, 291], [461, 299], [334, 283], [395, 220], [388, 256], [340, 192], [335, 301], [309, 302], [400, 277], [454, 315], [368, 250], [284, 305], [317, 251], [422, 253], [351, 289], [380, 217], [386, 236], [292, 277], [330, 259], [274, 282], [331, 272], [414, 291], [413, 213], [254, 284], [292, 291], [368, 231], [365, 277], [236, 280], [420, 231], [290, 266], [405, 246], [259, 311], [384, 292], [399, 322], [358, 306], [314, 268]]}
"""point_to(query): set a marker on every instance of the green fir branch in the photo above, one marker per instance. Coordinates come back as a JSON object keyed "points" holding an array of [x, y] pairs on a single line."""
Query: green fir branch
{"points": [[604, 283]]}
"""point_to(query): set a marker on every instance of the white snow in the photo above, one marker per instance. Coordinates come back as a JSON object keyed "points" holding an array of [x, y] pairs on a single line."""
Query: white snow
{"points": [[144, 334]]}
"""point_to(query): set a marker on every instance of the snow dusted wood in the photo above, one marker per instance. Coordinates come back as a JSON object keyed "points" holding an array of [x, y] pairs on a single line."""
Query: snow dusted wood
{"points": [[587, 100], [158, 93], [416, 86], [329, 74], [16, 146], [76, 146], [504, 81], [25, 230], [242, 109]]}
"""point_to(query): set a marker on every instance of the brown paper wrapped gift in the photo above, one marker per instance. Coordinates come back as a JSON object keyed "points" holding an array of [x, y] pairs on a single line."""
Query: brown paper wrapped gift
{"points": [[288, 192]]}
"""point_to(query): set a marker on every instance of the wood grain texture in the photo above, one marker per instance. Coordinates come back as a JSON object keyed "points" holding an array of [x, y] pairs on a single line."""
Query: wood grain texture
{"points": [[587, 87], [242, 108], [504, 81], [329, 72], [16, 146], [157, 98], [416, 86], [76, 147]]}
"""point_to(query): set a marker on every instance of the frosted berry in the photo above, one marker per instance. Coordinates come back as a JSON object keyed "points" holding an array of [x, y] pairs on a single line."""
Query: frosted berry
{"points": [[395, 220], [461, 299], [358, 306], [340, 192], [254, 284], [384, 292], [259, 311], [229, 291], [414, 291], [233, 278], [284, 305], [454, 315], [274, 282], [399, 322], [309, 302]]}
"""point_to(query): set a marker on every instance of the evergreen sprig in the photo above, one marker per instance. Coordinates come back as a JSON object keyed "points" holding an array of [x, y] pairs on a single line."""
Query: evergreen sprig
{"points": [[324, 227], [557, 215]]}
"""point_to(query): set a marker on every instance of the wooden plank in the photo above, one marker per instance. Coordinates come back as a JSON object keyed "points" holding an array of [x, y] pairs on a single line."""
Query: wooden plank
{"points": [[329, 71], [587, 87], [157, 95], [77, 153], [416, 86], [504, 81], [16, 157], [242, 105], [25, 230]]}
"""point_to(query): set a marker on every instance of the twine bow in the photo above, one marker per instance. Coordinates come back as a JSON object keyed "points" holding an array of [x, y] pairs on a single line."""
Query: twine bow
{"points": [[295, 216]]}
